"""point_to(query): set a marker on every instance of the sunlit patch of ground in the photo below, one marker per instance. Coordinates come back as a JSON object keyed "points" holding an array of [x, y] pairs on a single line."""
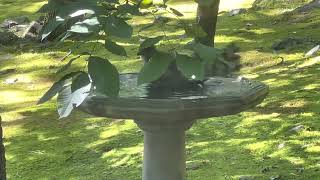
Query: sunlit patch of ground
{"points": [[259, 143]]}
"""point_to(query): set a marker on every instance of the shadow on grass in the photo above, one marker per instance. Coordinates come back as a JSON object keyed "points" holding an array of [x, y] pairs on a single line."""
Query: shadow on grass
{"points": [[83, 147]]}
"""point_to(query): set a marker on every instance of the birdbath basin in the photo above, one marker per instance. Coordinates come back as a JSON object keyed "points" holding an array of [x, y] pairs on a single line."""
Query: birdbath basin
{"points": [[165, 118]]}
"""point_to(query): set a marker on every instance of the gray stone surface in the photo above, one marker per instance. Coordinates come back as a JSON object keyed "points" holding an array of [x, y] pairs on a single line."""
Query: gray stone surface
{"points": [[8, 23], [218, 97], [165, 119], [32, 30], [236, 12]]}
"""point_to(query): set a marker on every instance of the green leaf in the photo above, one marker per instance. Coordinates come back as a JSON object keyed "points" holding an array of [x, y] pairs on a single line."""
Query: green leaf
{"points": [[208, 54], [50, 27], [81, 12], [150, 42], [80, 81], [115, 48], [85, 27], [66, 8], [128, 8], [190, 68], [56, 87], [68, 100], [104, 75], [176, 12], [155, 68], [117, 27]]}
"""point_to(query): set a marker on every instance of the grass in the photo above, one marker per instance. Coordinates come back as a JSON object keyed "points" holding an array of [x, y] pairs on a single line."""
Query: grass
{"points": [[257, 143]]}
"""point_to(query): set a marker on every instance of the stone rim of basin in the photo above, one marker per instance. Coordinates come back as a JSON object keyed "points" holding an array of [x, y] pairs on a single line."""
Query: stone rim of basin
{"points": [[182, 107]]}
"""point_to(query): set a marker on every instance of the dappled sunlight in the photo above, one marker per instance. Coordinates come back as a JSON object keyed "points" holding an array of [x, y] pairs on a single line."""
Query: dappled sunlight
{"points": [[261, 148], [262, 31], [32, 8], [313, 148], [233, 4], [41, 145], [123, 156], [229, 39], [10, 97]]}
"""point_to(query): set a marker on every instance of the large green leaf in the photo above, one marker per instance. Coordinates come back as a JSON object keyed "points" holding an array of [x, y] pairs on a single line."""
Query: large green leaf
{"points": [[128, 8], [190, 67], [115, 48], [51, 26], [208, 54], [82, 12], [69, 8], [68, 100], [80, 81], [155, 68], [104, 75], [65, 8], [85, 27], [115, 26], [56, 87], [150, 42]]}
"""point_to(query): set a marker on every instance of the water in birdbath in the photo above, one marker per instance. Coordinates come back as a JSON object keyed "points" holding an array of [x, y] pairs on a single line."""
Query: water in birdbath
{"points": [[211, 87]]}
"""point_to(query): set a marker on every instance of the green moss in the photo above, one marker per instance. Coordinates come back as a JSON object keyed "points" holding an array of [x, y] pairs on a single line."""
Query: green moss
{"points": [[285, 4], [14, 8], [255, 143]]}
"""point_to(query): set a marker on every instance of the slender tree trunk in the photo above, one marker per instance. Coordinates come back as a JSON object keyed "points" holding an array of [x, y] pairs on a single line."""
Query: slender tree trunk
{"points": [[2, 157], [207, 18]]}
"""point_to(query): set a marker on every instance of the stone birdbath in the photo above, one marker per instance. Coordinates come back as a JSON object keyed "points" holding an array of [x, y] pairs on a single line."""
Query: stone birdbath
{"points": [[165, 119]]}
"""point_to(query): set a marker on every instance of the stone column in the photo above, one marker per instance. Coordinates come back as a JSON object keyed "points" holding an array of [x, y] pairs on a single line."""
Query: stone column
{"points": [[164, 149], [2, 156]]}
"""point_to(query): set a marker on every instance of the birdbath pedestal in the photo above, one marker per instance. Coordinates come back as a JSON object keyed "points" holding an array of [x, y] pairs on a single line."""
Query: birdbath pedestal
{"points": [[164, 120]]}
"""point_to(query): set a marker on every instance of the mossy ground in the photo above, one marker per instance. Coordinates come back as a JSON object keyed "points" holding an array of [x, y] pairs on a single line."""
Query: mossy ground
{"points": [[257, 143]]}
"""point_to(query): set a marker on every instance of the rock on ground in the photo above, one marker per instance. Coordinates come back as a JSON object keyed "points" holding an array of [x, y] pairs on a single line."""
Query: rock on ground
{"points": [[32, 30], [7, 24], [236, 12], [8, 38]]}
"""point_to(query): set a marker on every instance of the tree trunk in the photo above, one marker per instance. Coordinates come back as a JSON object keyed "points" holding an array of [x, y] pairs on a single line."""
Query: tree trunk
{"points": [[207, 18], [2, 157]]}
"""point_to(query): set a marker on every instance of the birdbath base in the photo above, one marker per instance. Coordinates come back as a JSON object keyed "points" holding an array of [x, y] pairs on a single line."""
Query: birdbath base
{"points": [[165, 119], [164, 149]]}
